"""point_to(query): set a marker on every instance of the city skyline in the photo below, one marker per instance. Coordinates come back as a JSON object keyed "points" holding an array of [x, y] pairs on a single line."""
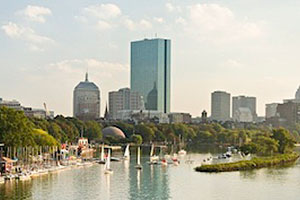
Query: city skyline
{"points": [[206, 56]]}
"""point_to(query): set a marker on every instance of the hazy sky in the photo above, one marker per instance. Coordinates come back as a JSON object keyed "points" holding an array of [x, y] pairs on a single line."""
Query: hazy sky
{"points": [[245, 47]]}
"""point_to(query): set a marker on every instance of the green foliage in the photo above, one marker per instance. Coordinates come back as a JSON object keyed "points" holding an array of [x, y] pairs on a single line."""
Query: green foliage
{"points": [[93, 131], [42, 138], [146, 132], [15, 128], [137, 139], [265, 145], [284, 138], [254, 163]]}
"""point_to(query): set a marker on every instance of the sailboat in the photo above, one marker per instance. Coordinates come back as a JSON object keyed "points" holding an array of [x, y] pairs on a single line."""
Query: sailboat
{"points": [[181, 152], [107, 168], [127, 153], [102, 161], [153, 158], [138, 162]]}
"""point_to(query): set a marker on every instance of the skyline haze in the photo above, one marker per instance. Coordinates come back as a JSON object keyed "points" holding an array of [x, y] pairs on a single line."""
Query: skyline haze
{"points": [[46, 48]]}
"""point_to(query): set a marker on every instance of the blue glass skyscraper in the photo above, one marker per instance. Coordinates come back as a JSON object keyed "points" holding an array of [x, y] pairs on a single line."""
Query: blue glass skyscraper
{"points": [[150, 72]]}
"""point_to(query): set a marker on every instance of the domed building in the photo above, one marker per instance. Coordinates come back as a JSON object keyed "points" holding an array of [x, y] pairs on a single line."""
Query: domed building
{"points": [[86, 100], [112, 131]]}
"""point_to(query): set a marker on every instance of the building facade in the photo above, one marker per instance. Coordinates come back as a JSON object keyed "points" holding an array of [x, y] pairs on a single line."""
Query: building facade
{"points": [[150, 72], [244, 109], [86, 100], [288, 113], [180, 118], [297, 95], [271, 110], [123, 99], [220, 106]]}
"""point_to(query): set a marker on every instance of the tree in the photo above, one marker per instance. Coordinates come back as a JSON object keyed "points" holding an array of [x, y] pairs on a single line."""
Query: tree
{"points": [[42, 138], [93, 130], [266, 145], [284, 138], [15, 128], [137, 139], [146, 132]]}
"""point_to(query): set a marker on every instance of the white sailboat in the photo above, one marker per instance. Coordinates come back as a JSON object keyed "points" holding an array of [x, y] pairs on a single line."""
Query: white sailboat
{"points": [[102, 161], [181, 152], [138, 162], [107, 168], [153, 158], [127, 153]]}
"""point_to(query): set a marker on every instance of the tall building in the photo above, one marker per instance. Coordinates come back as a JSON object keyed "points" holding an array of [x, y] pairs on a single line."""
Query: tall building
{"points": [[244, 109], [124, 99], [150, 72], [86, 100], [297, 95], [271, 110], [220, 106]]}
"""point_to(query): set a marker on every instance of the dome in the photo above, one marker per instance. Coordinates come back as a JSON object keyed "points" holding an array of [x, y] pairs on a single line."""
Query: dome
{"points": [[113, 131]]}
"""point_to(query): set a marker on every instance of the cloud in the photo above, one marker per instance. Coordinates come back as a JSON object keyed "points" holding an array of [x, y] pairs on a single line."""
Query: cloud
{"points": [[171, 8], [36, 13], [103, 25], [232, 65], [35, 41], [105, 17], [159, 20], [103, 11], [216, 23], [79, 66]]}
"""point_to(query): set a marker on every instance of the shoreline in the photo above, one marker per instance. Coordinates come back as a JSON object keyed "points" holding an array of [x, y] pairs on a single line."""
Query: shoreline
{"points": [[254, 163]]}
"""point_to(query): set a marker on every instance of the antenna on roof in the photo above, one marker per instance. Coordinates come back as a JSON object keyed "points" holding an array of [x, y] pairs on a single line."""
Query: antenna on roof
{"points": [[155, 35]]}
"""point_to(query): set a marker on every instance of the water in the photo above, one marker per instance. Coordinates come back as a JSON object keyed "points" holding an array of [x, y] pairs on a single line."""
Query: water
{"points": [[157, 182]]}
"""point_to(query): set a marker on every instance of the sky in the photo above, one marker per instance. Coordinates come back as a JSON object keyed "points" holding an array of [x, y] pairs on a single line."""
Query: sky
{"points": [[244, 47]]}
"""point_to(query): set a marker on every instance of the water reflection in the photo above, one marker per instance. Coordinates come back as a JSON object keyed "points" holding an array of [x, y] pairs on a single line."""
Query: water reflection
{"points": [[157, 182]]}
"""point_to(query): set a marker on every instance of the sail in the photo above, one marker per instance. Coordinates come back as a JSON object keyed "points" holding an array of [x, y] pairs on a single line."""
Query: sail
{"points": [[152, 150], [139, 156], [102, 153], [108, 159], [127, 153]]}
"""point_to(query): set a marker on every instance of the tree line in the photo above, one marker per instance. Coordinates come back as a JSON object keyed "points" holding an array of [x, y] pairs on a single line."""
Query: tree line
{"points": [[18, 130]]}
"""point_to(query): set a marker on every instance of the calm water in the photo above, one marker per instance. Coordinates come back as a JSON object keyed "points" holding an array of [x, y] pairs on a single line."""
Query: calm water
{"points": [[157, 182]]}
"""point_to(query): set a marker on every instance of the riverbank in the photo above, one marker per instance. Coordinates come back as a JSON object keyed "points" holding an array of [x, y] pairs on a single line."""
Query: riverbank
{"points": [[254, 163]]}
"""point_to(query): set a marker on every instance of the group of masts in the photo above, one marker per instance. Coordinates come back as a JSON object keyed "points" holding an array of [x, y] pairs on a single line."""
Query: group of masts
{"points": [[154, 159]]}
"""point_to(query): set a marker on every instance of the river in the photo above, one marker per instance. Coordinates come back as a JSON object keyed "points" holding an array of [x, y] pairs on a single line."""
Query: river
{"points": [[158, 182]]}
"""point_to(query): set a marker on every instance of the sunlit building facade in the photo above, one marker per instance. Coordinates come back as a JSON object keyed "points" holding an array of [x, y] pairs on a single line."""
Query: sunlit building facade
{"points": [[150, 72], [86, 100]]}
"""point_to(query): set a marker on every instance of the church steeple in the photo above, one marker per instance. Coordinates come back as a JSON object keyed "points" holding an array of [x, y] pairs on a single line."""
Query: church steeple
{"points": [[106, 114]]}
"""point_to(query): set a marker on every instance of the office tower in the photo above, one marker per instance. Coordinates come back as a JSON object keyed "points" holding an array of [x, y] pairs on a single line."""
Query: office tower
{"points": [[124, 99], [297, 95], [244, 109], [86, 100], [150, 72], [220, 106], [271, 110]]}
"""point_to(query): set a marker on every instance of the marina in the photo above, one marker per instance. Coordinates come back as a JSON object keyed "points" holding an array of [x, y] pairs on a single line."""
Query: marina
{"points": [[156, 182]]}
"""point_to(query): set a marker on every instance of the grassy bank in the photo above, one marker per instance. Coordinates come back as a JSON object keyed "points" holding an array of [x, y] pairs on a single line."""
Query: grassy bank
{"points": [[254, 163]]}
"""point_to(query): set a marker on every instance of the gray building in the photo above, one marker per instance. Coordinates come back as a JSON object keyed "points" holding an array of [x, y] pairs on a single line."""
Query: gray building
{"points": [[220, 106], [244, 109], [271, 110], [150, 72], [86, 100], [123, 99], [297, 95]]}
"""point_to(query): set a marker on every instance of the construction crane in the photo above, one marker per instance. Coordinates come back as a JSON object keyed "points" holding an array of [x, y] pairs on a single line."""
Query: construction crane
{"points": [[47, 112]]}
